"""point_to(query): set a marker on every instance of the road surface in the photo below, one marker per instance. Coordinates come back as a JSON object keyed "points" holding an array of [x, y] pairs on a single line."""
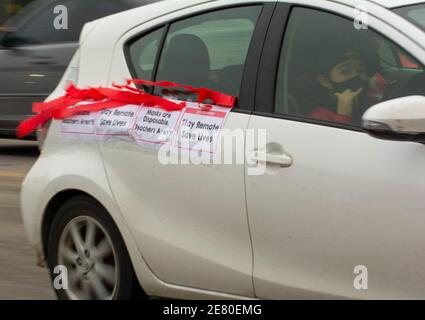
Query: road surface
{"points": [[20, 278]]}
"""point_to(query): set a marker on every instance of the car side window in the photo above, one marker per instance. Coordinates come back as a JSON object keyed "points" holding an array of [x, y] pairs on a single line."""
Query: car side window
{"points": [[209, 50], [143, 52], [393, 57], [334, 72]]}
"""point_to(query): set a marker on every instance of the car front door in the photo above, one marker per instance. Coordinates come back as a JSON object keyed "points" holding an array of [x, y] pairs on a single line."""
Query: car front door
{"points": [[189, 220], [338, 213]]}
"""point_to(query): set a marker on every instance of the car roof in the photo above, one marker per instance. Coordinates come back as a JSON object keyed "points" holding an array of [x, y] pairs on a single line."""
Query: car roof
{"points": [[119, 23], [396, 3], [168, 6], [123, 21]]}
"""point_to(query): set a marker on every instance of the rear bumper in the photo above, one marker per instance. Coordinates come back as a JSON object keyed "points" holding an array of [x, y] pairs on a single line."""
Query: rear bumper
{"points": [[35, 194]]}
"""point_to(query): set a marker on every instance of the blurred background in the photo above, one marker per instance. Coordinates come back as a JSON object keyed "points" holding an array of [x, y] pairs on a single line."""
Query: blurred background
{"points": [[37, 40], [34, 54], [10, 7]]}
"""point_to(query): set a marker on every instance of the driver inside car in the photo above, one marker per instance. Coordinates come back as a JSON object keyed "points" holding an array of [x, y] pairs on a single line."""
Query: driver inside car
{"points": [[348, 82]]}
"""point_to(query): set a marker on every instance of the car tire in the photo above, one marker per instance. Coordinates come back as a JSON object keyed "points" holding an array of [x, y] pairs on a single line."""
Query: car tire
{"points": [[86, 254]]}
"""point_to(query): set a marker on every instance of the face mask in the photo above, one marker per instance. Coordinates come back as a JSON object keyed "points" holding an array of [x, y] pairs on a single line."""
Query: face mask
{"points": [[353, 84]]}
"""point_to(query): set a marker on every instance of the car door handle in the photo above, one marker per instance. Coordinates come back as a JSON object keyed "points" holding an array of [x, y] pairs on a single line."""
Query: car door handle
{"points": [[284, 160]]}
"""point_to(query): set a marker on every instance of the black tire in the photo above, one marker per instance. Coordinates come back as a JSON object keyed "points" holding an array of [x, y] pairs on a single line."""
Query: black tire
{"points": [[84, 207]]}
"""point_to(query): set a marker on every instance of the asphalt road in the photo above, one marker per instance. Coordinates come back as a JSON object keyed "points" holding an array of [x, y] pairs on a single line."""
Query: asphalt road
{"points": [[20, 278]]}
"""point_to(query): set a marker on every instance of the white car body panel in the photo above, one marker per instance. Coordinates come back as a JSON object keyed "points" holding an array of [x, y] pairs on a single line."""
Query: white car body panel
{"points": [[397, 3], [71, 174], [185, 228], [313, 223], [307, 251], [238, 281], [342, 187], [223, 250]]}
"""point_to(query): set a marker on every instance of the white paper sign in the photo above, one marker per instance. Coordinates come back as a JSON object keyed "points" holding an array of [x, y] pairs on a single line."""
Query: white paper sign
{"points": [[117, 122], [155, 126], [194, 128], [83, 123], [200, 129]]}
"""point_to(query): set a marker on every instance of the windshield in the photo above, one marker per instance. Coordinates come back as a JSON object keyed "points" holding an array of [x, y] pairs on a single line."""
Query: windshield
{"points": [[415, 14]]}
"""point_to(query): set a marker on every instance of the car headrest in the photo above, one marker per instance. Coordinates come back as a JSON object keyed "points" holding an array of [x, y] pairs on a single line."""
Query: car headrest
{"points": [[186, 61]]}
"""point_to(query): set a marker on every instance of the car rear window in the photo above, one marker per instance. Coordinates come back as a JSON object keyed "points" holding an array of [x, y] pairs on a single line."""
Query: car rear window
{"points": [[209, 50]]}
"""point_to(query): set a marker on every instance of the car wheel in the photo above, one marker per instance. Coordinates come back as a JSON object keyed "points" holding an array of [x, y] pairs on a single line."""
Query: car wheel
{"points": [[85, 242]]}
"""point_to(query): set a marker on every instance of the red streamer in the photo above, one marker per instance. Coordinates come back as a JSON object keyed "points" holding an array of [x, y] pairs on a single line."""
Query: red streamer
{"points": [[107, 98]]}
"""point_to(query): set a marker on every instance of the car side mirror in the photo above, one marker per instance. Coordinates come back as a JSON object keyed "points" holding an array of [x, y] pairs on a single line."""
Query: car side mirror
{"points": [[11, 40], [401, 119]]}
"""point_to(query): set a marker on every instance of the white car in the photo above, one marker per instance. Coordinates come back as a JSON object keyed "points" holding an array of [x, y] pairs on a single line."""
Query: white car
{"points": [[339, 211]]}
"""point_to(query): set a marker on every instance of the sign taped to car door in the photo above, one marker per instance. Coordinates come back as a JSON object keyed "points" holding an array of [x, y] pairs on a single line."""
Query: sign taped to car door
{"points": [[128, 113], [194, 128]]}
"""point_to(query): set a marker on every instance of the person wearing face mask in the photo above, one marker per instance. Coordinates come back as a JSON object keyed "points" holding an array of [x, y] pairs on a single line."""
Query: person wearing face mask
{"points": [[343, 86]]}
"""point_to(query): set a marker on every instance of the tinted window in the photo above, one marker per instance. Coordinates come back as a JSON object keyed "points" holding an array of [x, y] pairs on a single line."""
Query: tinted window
{"points": [[333, 72], [209, 50], [143, 53]]}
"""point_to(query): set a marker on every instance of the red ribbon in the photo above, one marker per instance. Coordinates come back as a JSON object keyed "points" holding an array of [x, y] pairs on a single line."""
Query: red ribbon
{"points": [[107, 98], [204, 94]]}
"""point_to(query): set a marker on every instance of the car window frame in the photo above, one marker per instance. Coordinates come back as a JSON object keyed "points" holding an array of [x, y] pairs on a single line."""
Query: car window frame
{"points": [[246, 100], [127, 52], [269, 67]]}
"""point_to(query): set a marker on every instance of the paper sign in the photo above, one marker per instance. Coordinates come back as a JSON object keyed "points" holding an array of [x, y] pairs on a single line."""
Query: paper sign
{"points": [[155, 126], [117, 121], [200, 129], [83, 123], [194, 128]]}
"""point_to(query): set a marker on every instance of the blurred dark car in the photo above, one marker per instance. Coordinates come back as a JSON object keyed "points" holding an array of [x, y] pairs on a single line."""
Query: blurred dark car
{"points": [[34, 54]]}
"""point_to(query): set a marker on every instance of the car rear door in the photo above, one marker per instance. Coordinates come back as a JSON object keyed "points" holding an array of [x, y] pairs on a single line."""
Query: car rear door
{"points": [[189, 220], [334, 203]]}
